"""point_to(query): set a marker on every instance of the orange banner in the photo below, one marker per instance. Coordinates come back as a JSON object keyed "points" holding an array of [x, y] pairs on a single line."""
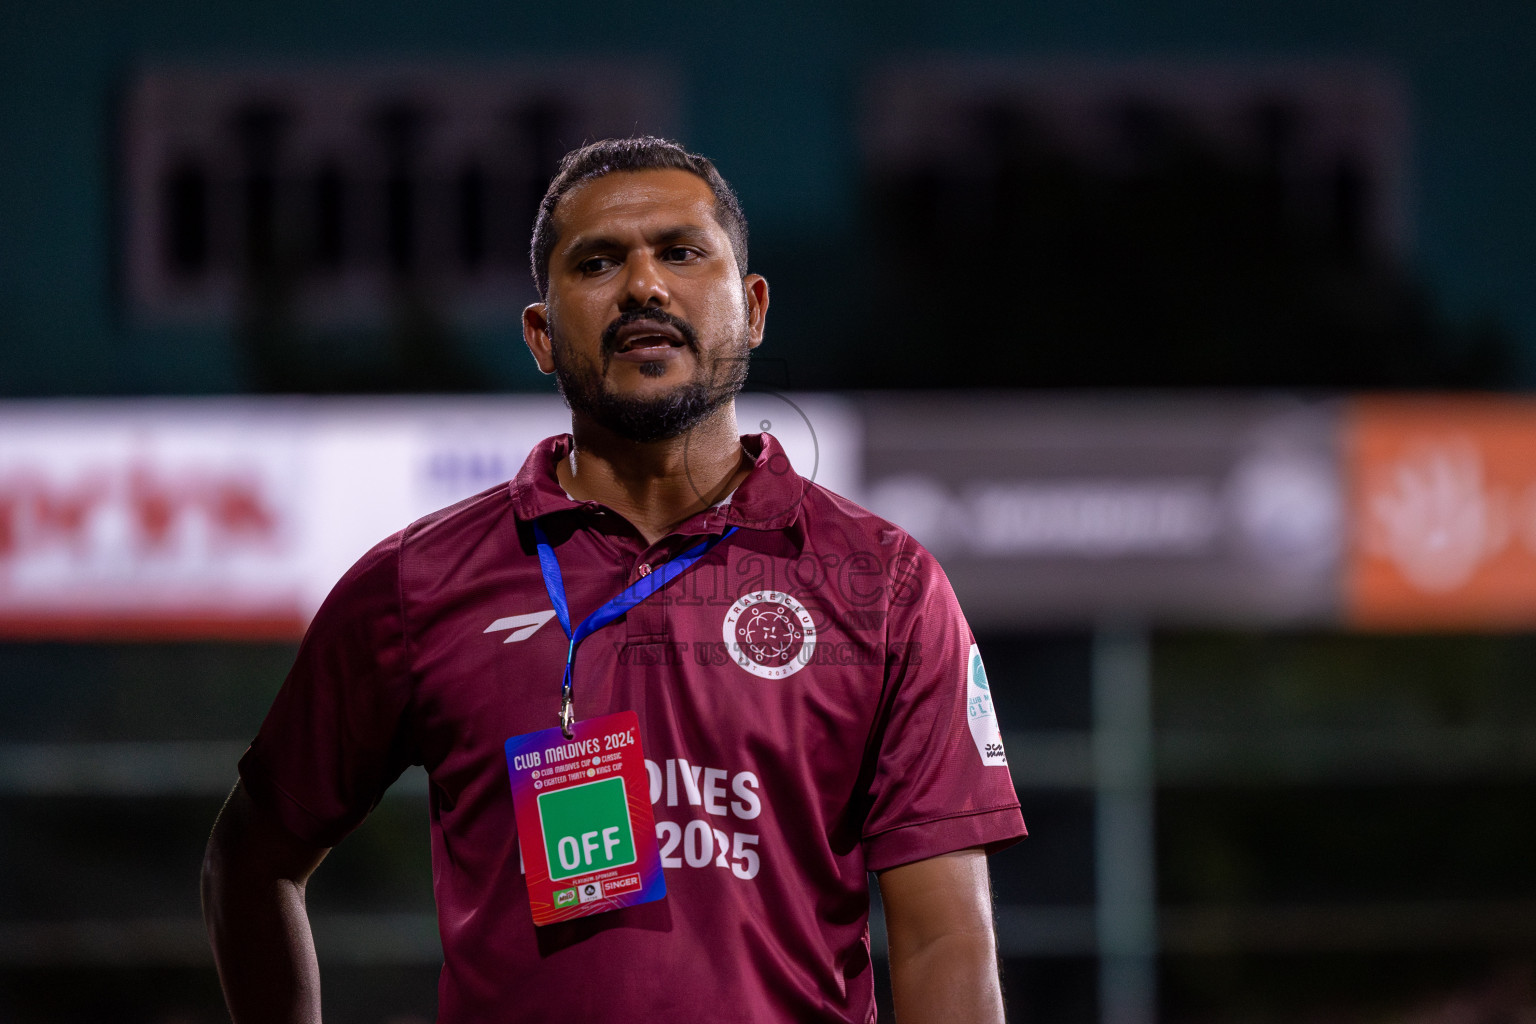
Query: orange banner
{"points": [[1442, 496]]}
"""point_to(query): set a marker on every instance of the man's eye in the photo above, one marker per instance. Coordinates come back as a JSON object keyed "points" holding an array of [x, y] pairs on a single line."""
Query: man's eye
{"points": [[680, 254], [596, 264]]}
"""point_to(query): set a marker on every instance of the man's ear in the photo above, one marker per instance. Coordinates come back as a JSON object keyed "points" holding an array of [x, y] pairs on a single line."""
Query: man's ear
{"points": [[536, 336], [755, 287]]}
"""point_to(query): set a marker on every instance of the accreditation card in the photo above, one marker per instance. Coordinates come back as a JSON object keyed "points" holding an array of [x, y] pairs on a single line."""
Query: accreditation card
{"points": [[584, 821]]}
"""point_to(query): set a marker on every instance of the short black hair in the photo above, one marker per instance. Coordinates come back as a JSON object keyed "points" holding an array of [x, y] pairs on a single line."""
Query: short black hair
{"points": [[639, 153]]}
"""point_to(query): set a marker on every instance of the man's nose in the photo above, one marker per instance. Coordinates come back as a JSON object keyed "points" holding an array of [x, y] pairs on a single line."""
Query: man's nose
{"points": [[644, 284]]}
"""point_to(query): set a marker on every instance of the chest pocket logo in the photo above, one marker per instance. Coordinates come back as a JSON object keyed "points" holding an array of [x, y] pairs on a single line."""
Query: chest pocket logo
{"points": [[770, 634]]}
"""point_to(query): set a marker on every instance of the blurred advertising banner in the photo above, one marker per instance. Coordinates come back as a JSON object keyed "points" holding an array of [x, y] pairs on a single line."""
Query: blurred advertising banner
{"points": [[1048, 509], [1442, 491], [136, 518], [232, 518]]}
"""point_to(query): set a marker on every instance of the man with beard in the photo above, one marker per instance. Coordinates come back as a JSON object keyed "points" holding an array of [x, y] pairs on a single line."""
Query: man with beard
{"points": [[810, 702]]}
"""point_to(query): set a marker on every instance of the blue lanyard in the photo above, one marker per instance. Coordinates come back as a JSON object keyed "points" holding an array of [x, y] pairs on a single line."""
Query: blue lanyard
{"points": [[616, 606]]}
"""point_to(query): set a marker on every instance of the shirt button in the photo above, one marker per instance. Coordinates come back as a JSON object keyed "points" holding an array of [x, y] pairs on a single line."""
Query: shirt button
{"points": [[643, 569]]}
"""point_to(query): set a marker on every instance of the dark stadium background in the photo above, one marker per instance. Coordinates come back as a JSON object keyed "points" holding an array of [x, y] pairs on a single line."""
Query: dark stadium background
{"points": [[1397, 885]]}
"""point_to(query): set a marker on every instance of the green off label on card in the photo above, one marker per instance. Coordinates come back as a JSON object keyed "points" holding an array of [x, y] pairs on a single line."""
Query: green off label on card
{"points": [[586, 828]]}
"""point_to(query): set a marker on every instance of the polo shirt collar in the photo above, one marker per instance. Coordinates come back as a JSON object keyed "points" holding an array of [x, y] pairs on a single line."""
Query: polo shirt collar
{"points": [[768, 499], [770, 496]]}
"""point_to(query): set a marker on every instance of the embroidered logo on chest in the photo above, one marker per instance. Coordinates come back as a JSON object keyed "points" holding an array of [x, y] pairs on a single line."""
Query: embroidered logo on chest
{"points": [[769, 634]]}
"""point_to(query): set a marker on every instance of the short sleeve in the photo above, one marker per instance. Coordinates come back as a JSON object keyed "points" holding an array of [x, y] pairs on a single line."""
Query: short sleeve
{"points": [[337, 734], [940, 782]]}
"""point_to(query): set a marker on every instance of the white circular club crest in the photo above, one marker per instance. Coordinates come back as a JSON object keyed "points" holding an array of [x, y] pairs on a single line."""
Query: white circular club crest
{"points": [[770, 634]]}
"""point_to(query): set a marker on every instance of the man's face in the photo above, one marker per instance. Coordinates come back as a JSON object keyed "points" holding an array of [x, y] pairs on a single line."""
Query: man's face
{"points": [[648, 321]]}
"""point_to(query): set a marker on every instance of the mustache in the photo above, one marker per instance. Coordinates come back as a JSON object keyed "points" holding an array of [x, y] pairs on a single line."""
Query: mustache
{"points": [[610, 337]]}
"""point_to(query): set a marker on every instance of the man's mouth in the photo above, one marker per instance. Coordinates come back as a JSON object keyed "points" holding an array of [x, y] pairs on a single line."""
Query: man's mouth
{"points": [[648, 334]]}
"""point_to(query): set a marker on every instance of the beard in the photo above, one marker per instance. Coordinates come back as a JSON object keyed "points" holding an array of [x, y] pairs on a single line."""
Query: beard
{"points": [[656, 417]]}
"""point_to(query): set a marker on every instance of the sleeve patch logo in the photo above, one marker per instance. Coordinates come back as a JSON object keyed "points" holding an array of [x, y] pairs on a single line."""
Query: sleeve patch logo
{"points": [[978, 708], [770, 634]]}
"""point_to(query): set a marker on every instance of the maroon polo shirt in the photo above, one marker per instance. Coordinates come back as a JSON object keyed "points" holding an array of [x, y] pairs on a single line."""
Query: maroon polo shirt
{"points": [[811, 708]]}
